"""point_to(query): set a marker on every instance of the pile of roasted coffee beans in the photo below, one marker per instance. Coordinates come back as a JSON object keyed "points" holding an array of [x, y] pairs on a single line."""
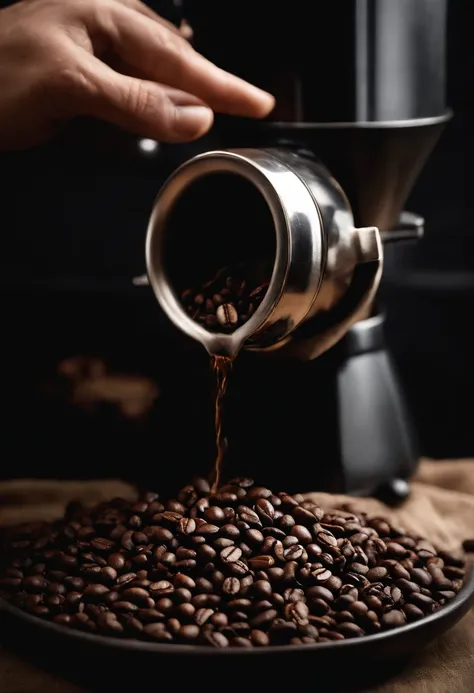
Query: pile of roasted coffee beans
{"points": [[229, 300], [244, 567]]}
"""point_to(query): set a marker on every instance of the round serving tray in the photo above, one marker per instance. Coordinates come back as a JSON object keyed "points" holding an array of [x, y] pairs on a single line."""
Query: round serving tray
{"points": [[120, 663]]}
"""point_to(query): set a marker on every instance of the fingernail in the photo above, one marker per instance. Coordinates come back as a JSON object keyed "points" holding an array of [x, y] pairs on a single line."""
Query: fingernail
{"points": [[193, 121]]}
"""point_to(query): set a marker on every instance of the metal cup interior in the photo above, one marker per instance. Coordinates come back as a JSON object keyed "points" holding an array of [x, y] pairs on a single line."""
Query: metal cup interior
{"points": [[218, 209]]}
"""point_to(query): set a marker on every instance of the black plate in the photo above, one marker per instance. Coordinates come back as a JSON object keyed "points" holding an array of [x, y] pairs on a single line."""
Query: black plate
{"points": [[124, 662]]}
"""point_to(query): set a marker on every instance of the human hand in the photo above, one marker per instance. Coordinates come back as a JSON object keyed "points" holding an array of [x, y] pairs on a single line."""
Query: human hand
{"points": [[115, 60]]}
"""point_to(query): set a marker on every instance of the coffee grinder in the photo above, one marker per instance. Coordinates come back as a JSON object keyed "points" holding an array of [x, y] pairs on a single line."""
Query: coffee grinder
{"points": [[360, 104]]}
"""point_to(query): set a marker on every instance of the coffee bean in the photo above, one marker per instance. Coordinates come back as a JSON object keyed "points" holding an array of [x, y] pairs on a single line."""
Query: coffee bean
{"points": [[297, 612], [254, 536], [454, 573], [102, 544], [413, 612], [186, 525], [264, 618], [202, 616], [215, 639], [207, 529], [293, 553], [376, 574], [302, 534], [231, 554], [227, 315], [96, 592], [35, 583], [326, 540], [321, 575], [422, 601], [396, 550], [215, 515], [262, 589], [259, 638], [231, 585], [244, 564], [157, 631], [265, 511], [208, 601], [261, 562], [399, 572], [393, 619], [124, 606], [421, 577], [407, 586]]}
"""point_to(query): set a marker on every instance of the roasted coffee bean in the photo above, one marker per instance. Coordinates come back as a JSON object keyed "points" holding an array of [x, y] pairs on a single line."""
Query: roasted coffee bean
{"points": [[230, 554], [124, 606], [207, 529], [407, 586], [264, 618], [302, 534], [244, 567], [231, 585], [254, 536], [102, 544], [421, 577], [186, 525], [376, 574], [413, 612], [261, 562], [454, 573], [208, 601], [262, 589], [304, 516], [393, 619], [265, 511], [396, 550], [259, 638], [348, 630], [326, 540], [215, 515], [157, 631], [227, 315], [96, 592], [215, 639], [425, 603], [398, 572]]}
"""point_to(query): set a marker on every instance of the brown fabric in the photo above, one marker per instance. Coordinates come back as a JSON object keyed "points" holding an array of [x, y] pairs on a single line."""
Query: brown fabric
{"points": [[441, 507]]}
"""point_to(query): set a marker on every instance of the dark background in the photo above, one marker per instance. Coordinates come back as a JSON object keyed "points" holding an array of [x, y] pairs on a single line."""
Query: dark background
{"points": [[73, 219]]}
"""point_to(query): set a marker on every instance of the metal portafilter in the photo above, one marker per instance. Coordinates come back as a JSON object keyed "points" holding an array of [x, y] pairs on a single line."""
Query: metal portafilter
{"points": [[279, 205]]}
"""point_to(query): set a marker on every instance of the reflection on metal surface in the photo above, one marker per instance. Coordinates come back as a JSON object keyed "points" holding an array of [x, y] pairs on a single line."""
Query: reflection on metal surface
{"points": [[325, 270]]}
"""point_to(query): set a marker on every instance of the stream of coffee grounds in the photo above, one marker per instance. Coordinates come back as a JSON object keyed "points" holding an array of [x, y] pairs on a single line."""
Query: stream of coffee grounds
{"points": [[222, 367]]}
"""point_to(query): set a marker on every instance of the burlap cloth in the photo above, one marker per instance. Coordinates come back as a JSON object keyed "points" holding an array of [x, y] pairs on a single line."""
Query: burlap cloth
{"points": [[441, 507]]}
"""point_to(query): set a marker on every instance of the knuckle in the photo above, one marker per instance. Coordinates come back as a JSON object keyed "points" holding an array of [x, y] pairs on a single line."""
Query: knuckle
{"points": [[151, 106], [139, 100], [178, 49], [65, 87]]}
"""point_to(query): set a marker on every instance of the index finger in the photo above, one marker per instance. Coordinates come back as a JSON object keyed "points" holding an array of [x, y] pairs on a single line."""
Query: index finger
{"points": [[163, 56]]}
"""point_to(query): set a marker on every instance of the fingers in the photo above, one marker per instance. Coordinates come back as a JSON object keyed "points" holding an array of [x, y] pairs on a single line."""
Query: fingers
{"points": [[148, 12], [142, 107], [161, 55]]}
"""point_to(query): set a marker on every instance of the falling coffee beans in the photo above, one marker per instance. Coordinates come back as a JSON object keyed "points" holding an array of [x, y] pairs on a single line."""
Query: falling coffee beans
{"points": [[230, 299], [241, 567]]}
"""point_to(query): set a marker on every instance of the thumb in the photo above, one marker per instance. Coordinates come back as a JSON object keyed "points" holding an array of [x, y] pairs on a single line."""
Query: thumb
{"points": [[145, 108]]}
